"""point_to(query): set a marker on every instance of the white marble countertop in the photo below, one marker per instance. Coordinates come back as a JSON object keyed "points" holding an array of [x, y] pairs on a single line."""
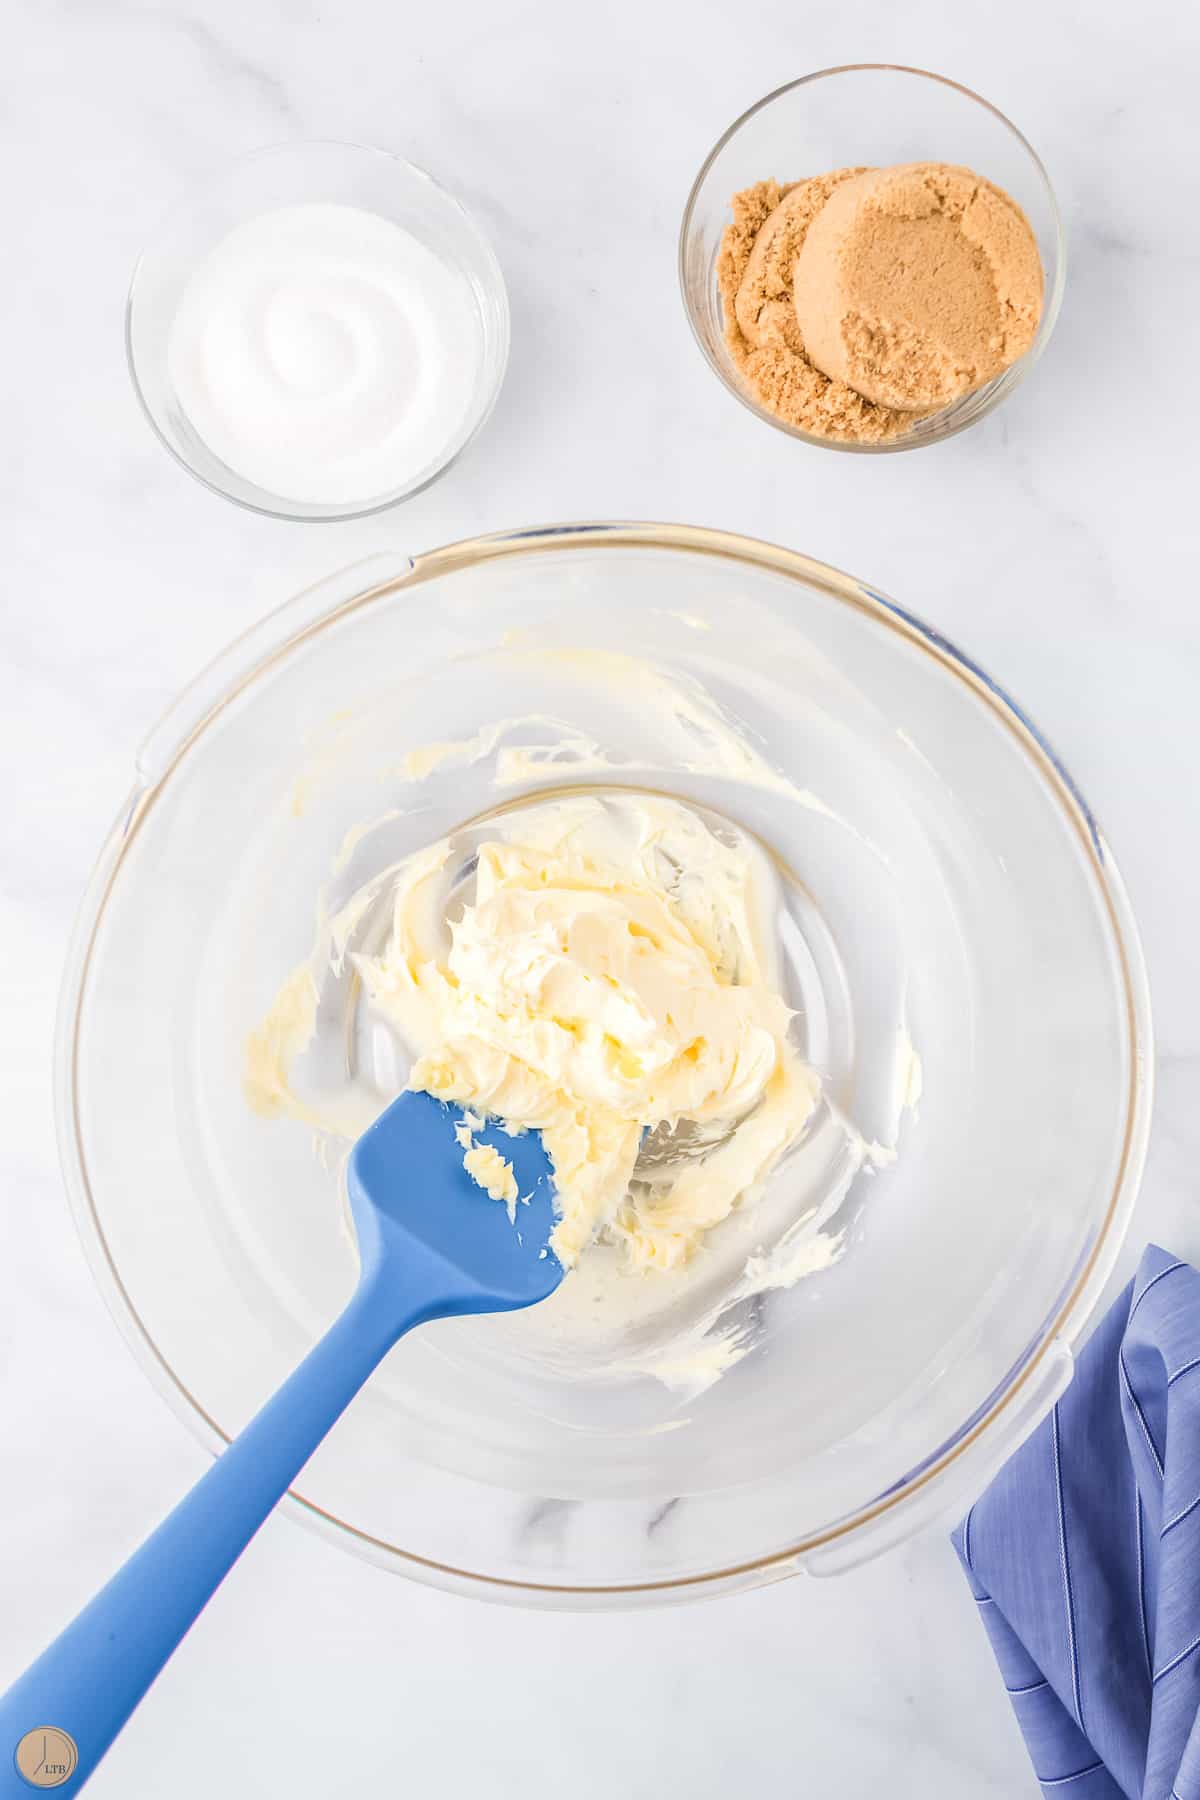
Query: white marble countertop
{"points": [[1052, 542]]}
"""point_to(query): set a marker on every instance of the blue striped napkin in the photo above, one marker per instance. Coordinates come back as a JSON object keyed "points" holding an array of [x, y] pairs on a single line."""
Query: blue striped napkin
{"points": [[1084, 1557]]}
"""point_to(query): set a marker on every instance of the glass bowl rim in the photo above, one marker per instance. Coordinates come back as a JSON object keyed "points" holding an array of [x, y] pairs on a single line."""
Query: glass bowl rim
{"points": [[1004, 384], [231, 676], [497, 293]]}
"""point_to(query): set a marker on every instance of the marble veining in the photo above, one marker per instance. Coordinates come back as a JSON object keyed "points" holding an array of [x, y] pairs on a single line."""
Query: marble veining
{"points": [[1054, 543]]}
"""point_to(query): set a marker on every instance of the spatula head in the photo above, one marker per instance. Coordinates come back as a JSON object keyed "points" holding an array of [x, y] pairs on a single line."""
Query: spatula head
{"points": [[416, 1208]]}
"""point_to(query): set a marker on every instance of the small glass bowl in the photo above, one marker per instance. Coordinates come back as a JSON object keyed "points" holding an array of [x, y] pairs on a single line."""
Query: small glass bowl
{"points": [[874, 114], [301, 174]]}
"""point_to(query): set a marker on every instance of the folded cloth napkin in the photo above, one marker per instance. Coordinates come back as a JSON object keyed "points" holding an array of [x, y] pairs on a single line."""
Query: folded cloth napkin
{"points": [[1084, 1557]]}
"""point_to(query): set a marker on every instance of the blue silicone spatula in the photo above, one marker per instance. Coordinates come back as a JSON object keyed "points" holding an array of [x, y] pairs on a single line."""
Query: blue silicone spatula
{"points": [[432, 1245]]}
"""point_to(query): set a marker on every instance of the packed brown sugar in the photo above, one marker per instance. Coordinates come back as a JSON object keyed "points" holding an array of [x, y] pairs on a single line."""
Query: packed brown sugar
{"points": [[860, 301]]}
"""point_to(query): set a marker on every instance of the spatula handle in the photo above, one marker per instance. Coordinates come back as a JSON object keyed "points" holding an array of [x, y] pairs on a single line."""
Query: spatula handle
{"points": [[92, 1676]]}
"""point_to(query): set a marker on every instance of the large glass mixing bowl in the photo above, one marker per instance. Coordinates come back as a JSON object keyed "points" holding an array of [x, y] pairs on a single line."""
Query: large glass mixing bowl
{"points": [[945, 883]]}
